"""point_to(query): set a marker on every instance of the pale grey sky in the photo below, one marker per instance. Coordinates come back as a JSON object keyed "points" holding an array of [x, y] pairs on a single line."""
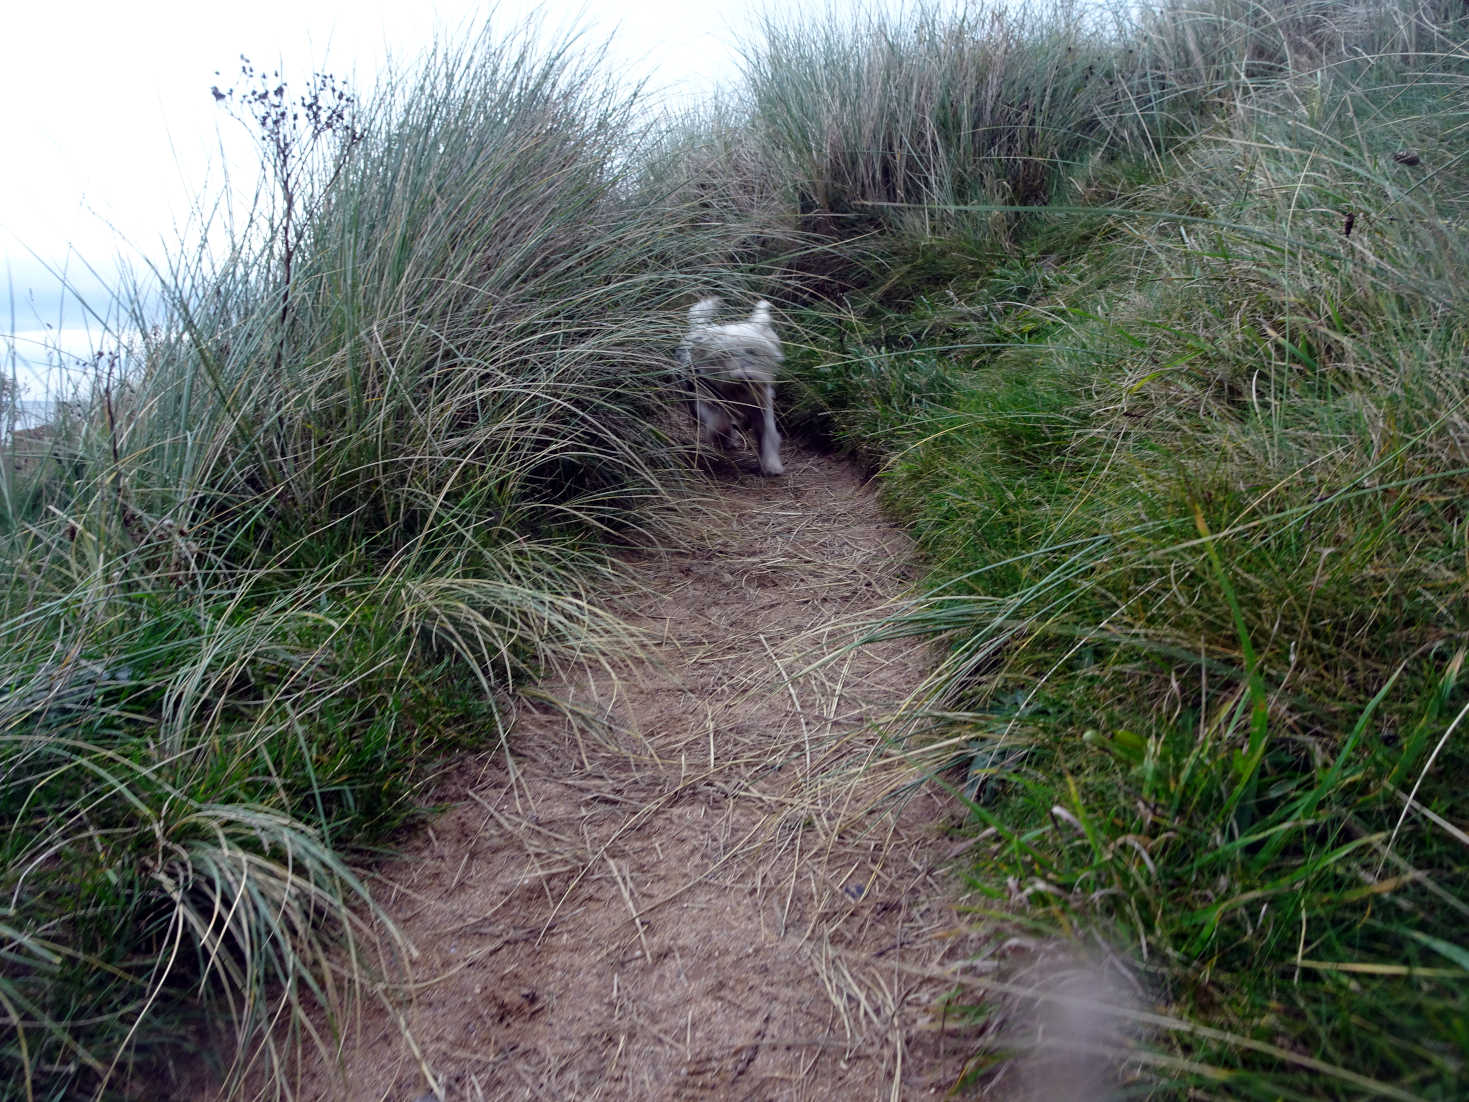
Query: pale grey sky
{"points": [[111, 118]]}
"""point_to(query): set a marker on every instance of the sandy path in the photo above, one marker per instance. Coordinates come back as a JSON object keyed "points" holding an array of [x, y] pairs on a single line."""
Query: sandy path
{"points": [[676, 891]]}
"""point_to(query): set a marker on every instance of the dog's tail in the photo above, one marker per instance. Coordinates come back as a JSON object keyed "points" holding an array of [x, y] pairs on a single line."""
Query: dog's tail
{"points": [[761, 314], [701, 313]]}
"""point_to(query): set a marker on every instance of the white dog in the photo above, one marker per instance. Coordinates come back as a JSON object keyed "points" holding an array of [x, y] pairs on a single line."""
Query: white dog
{"points": [[731, 377]]}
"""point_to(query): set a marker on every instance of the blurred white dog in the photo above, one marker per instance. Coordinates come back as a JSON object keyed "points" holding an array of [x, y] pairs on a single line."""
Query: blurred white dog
{"points": [[730, 373]]}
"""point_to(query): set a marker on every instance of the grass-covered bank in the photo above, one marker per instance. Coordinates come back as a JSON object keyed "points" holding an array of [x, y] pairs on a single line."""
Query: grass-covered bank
{"points": [[1184, 439], [1152, 324], [345, 489]]}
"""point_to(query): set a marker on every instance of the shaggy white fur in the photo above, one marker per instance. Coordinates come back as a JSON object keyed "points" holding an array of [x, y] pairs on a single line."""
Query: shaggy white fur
{"points": [[731, 372]]}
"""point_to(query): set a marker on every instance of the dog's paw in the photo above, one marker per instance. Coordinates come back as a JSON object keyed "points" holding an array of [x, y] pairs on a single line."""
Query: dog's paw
{"points": [[772, 468]]}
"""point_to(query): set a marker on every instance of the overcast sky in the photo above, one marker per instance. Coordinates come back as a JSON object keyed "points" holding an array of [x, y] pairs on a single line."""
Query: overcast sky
{"points": [[112, 135]]}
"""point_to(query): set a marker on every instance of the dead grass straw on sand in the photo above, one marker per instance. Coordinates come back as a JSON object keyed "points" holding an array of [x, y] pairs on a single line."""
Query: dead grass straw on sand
{"points": [[675, 881]]}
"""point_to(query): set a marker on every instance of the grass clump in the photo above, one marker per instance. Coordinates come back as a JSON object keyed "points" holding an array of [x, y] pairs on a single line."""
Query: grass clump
{"points": [[931, 109], [345, 488]]}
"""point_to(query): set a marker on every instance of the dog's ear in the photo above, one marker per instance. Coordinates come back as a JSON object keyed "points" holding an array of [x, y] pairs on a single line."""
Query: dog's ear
{"points": [[761, 314], [702, 313]]}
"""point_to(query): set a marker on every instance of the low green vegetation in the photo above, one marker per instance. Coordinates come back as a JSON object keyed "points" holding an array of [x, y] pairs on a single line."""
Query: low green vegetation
{"points": [[1185, 450], [1151, 325]]}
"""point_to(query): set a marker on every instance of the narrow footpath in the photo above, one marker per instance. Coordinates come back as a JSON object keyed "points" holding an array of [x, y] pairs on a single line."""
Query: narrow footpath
{"points": [[682, 883]]}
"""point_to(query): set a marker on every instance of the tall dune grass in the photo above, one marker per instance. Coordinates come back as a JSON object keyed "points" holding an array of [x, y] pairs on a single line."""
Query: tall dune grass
{"points": [[897, 122], [931, 108], [1153, 323], [332, 512], [1186, 449]]}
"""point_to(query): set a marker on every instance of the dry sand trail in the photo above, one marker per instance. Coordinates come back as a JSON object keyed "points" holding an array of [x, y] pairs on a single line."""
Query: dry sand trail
{"points": [[678, 885]]}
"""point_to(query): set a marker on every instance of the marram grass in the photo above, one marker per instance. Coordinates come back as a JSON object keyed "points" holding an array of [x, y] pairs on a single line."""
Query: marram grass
{"points": [[333, 511], [1186, 451], [1152, 323]]}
